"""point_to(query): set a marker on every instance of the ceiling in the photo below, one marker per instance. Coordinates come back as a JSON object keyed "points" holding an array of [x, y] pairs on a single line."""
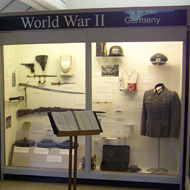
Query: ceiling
{"points": [[14, 6], [30, 5]]}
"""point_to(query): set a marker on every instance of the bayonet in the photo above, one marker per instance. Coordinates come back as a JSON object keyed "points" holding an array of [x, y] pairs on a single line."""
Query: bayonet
{"points": [[41, 76], [59, 83]]}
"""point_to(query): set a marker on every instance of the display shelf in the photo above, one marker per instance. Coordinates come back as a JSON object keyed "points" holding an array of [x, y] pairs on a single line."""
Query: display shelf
{"points": [[102, 101], [143, 171], [98, 175], [114, 138]]}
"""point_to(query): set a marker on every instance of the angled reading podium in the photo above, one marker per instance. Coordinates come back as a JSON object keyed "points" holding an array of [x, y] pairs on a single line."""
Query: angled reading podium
{"points": [[74, 124]]}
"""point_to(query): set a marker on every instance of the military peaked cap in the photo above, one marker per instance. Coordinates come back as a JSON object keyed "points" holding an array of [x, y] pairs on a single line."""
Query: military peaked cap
{"points": [[158, 59]]}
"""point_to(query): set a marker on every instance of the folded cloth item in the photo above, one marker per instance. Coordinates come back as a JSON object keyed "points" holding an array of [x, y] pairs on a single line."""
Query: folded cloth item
{"points": [[65, 145], [25, 143], [46, 143]]}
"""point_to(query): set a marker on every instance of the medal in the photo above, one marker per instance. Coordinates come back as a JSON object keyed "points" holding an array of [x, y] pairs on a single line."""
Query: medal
{"points": [[129, 76]]}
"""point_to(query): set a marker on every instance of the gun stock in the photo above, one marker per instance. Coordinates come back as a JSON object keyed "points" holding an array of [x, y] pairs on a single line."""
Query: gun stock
{"points": [[23, 112]]}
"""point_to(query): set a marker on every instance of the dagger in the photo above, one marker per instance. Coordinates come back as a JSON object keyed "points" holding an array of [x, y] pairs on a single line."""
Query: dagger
{"points": [[59, 83]]}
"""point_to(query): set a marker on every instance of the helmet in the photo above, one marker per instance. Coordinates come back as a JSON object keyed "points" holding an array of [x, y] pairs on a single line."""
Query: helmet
{"points": [[116, 51], [158, 59]]}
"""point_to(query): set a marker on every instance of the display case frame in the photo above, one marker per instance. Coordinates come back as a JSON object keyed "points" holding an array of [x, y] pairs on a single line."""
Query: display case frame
{"points": [[187, 147], [87, 36]]}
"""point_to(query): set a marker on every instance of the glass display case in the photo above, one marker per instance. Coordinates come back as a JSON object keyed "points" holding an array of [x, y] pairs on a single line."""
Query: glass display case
{"points": [[121, 80], [187, 168], [39, 78]]}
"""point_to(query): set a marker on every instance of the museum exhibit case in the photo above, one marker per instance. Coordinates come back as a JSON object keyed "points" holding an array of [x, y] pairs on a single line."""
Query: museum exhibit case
{"points": [[119, 92], [187, 169], [133, 78], [42, 71]]}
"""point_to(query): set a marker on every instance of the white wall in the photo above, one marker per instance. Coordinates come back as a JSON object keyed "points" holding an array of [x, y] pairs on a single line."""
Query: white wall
{"points": [[76, 4]]}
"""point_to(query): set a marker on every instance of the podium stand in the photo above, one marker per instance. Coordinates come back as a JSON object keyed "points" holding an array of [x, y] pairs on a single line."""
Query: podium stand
{"points": [[75, 134], [87, 124]]}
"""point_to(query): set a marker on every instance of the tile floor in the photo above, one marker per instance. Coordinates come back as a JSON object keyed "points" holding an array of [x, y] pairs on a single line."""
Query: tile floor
{"points": [[31, 185]]}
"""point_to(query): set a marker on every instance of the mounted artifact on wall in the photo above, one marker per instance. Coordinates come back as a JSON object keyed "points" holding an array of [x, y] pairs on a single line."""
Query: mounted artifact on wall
{"points": [[101, 49], [42, 60], [66, 65], [130, 77], [158, 59]]}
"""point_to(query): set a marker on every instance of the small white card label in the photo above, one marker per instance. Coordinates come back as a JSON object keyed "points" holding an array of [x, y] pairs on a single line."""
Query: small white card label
{"points": [[21, 149], [41, 151], [65, 151], [53, 158]]}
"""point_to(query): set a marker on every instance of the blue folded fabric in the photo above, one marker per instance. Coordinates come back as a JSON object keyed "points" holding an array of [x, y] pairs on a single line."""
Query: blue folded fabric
{"points": [[46, 143], [65, 145]]}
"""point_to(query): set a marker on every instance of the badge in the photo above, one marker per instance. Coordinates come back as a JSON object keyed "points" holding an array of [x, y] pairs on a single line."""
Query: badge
{"points": [[131, 87]]}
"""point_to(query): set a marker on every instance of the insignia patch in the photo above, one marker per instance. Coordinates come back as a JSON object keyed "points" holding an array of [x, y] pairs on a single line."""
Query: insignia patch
{"points": [[165, 100], [132, 87]]}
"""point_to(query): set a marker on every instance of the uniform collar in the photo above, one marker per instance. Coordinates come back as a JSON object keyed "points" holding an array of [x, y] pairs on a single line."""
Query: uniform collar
{"points": [[159, 88]]}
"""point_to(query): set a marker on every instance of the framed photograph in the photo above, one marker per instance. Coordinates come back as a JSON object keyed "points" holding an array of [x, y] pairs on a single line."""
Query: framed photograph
{"points": [[110, 70]]}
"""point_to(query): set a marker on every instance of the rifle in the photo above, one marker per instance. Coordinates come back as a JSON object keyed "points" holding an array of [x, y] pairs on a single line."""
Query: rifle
{"points": [[23, 112]]}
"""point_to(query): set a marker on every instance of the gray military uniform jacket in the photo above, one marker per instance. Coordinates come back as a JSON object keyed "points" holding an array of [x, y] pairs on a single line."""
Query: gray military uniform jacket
{"points": [[161, 113]]}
